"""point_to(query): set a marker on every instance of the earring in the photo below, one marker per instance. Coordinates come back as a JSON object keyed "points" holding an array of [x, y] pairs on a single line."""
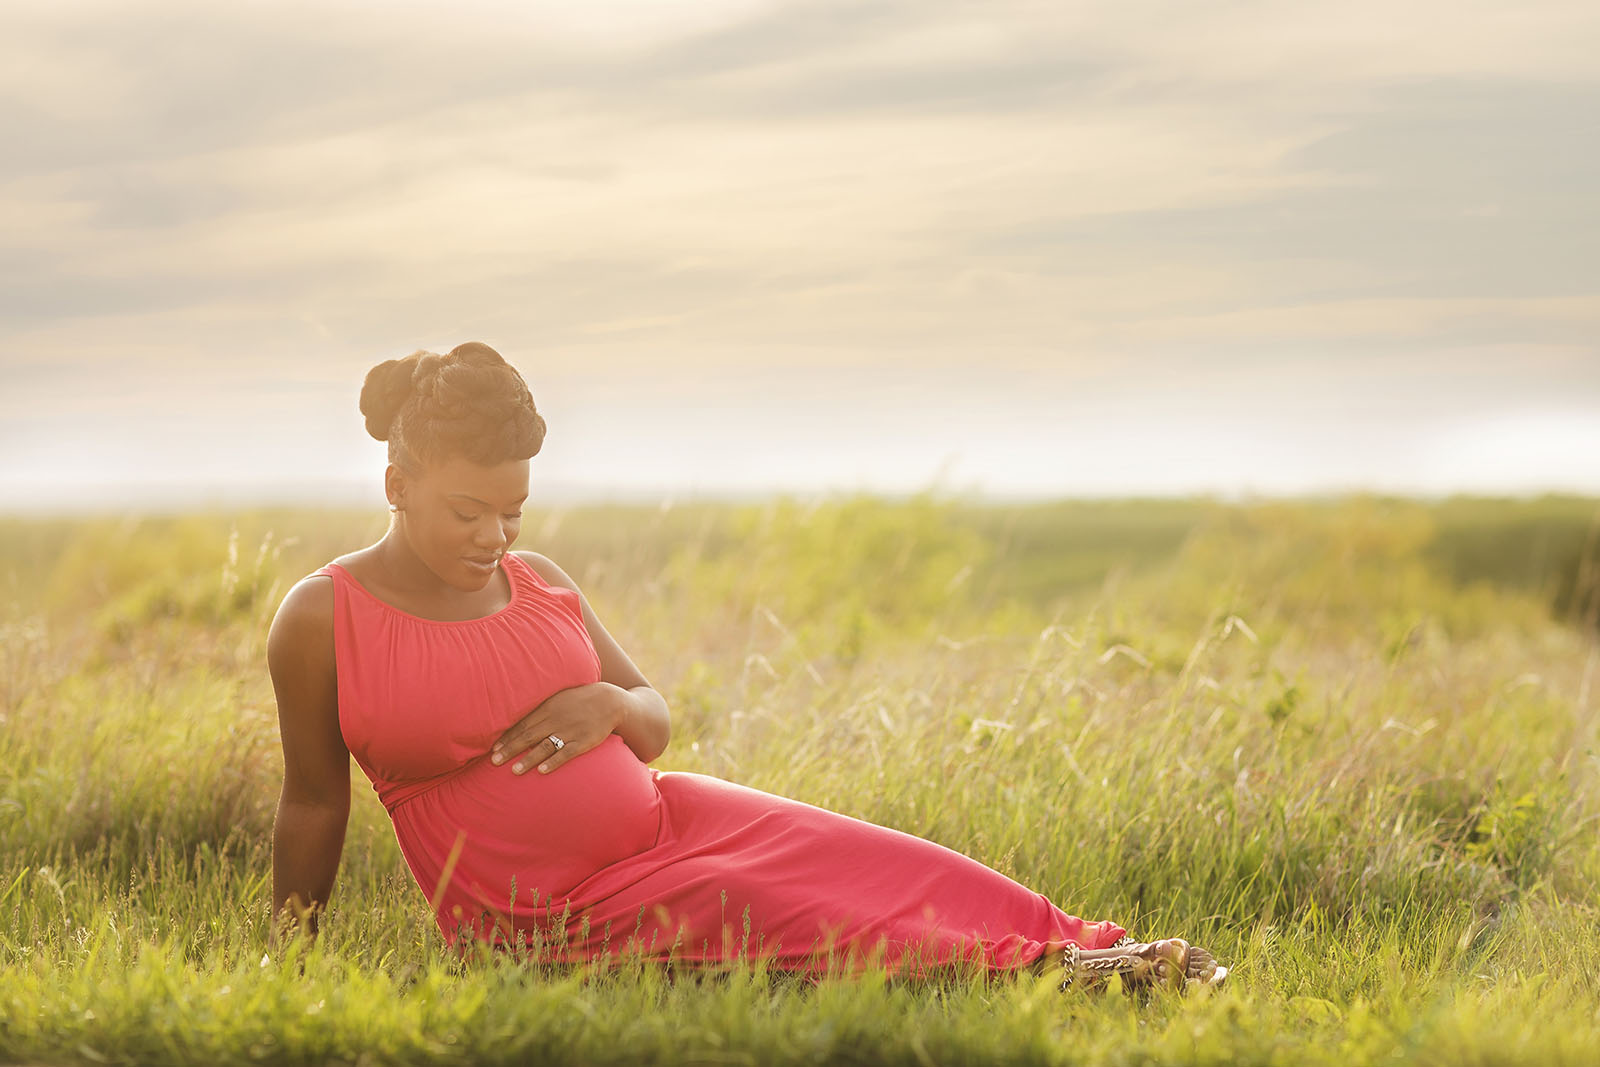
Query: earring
{"points": [[393, 507]]}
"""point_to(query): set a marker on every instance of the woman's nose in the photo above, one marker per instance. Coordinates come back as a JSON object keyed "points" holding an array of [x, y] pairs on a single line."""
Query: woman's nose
{"points": [[491, 534]]}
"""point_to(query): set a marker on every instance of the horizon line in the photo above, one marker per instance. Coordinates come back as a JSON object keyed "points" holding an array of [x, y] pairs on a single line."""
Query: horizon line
{"points": [[190, 497]]}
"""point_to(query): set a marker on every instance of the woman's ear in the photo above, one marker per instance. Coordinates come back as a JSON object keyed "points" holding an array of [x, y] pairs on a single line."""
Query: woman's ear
{"points": [[394, 487]]}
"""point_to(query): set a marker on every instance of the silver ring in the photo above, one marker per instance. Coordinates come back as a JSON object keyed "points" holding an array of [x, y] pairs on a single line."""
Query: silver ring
{"points": [[556, 741]]}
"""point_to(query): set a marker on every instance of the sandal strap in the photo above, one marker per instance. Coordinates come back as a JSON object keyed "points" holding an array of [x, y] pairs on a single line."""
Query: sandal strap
{"points": [[1156, 967]]}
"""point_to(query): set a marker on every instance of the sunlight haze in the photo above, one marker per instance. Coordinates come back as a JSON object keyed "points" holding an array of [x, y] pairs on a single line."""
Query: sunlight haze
{"points": [[1011, 248]]}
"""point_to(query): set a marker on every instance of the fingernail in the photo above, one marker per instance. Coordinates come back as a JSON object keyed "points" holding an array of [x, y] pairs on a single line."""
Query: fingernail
{"points": [[544, 768], [518, 769], [497, 758]]}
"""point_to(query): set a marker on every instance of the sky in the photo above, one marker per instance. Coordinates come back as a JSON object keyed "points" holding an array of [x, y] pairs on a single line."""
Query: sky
{"points": [[1001, 247]]}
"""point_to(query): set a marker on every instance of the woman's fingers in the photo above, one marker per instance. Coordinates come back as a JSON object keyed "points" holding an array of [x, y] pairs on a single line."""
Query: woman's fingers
{"points": [[534, 728], [513, 742], [581, 717], [504, 749], [554, 755], [531, 732], [520, 752], [549, 754], [547, 747], [522, 756]]}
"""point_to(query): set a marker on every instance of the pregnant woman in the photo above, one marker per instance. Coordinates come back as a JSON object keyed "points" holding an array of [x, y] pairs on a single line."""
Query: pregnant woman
{"points": [[509, 736]]}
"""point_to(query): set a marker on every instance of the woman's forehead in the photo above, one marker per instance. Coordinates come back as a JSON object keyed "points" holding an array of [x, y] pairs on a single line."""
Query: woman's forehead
{"points": [[503, 481]]}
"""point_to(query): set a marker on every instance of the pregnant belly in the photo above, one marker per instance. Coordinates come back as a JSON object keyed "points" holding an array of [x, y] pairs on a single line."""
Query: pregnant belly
{"points": [[548, 831]]}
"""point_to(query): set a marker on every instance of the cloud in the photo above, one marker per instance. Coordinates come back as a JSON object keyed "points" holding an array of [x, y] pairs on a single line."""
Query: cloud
{"points": [[1269, 198]]}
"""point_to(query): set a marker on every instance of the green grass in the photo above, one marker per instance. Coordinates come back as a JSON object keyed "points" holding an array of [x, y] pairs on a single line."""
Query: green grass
{"points": [[1349, 745]]}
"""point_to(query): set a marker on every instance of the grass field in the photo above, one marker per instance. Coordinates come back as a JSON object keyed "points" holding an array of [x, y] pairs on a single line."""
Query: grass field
{"points": [[1350, 745]]}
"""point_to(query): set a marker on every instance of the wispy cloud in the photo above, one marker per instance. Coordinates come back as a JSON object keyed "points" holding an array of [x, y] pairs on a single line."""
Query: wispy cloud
{"points": [[1194, 194]]}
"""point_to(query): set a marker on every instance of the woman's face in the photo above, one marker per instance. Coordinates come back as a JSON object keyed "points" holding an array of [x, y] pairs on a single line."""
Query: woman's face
{"points": [[460, 518]]}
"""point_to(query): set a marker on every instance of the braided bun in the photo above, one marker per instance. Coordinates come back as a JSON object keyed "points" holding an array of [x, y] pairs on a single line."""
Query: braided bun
{"points": [[384, 392], [469, 403]]}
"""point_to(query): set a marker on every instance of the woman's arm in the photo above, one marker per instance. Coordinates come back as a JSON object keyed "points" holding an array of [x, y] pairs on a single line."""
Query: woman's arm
{"points": [[314, 807], [623, 702]]}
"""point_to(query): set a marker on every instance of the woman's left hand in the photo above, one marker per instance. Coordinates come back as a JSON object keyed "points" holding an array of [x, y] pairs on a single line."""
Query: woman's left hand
{"points": [[582, 717]]}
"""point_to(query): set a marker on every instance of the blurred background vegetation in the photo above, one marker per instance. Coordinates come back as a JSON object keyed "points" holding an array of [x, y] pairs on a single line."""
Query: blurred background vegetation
{"points": [[828, 557]]}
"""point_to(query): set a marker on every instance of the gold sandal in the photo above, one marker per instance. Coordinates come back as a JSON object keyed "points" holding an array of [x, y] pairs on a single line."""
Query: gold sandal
{"points": [[1173, 963]]}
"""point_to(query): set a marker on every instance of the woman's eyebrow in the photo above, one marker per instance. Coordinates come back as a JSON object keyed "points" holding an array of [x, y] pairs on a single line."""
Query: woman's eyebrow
{"points": [[475, 500]]}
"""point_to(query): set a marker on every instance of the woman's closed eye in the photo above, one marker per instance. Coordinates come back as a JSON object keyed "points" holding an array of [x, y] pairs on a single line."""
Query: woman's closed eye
{"points": [[510, 515]]}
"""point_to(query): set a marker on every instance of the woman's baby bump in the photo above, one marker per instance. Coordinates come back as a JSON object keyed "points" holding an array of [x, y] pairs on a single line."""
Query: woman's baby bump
{"points": [[549, 831]]}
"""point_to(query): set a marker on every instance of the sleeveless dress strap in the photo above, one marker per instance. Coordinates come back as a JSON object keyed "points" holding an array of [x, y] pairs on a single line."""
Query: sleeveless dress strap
{"points": [[522, 566]]}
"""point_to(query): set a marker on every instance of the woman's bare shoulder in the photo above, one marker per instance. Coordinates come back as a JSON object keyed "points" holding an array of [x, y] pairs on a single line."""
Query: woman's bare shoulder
{"points": [[301, 660], [304, 620], [546, 568], [359, 563]]}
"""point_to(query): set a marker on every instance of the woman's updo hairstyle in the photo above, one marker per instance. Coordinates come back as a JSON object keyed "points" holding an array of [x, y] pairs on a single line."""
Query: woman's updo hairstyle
{"points": [[469, 403]]}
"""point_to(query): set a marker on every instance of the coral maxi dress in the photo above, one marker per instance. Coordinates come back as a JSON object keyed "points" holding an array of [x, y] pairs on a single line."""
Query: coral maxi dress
{"points": [[668, 864]]}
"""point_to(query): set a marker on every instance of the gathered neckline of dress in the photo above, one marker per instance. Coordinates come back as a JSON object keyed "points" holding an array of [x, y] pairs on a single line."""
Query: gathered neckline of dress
{"points": [[512, 579]]}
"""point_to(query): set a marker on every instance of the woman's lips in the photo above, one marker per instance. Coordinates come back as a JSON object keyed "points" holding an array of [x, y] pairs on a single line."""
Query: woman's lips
{"points": [[483, 565]]}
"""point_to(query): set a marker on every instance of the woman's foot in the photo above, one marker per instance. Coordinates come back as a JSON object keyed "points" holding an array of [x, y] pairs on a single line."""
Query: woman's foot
{"points": [[1172, 962]]}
